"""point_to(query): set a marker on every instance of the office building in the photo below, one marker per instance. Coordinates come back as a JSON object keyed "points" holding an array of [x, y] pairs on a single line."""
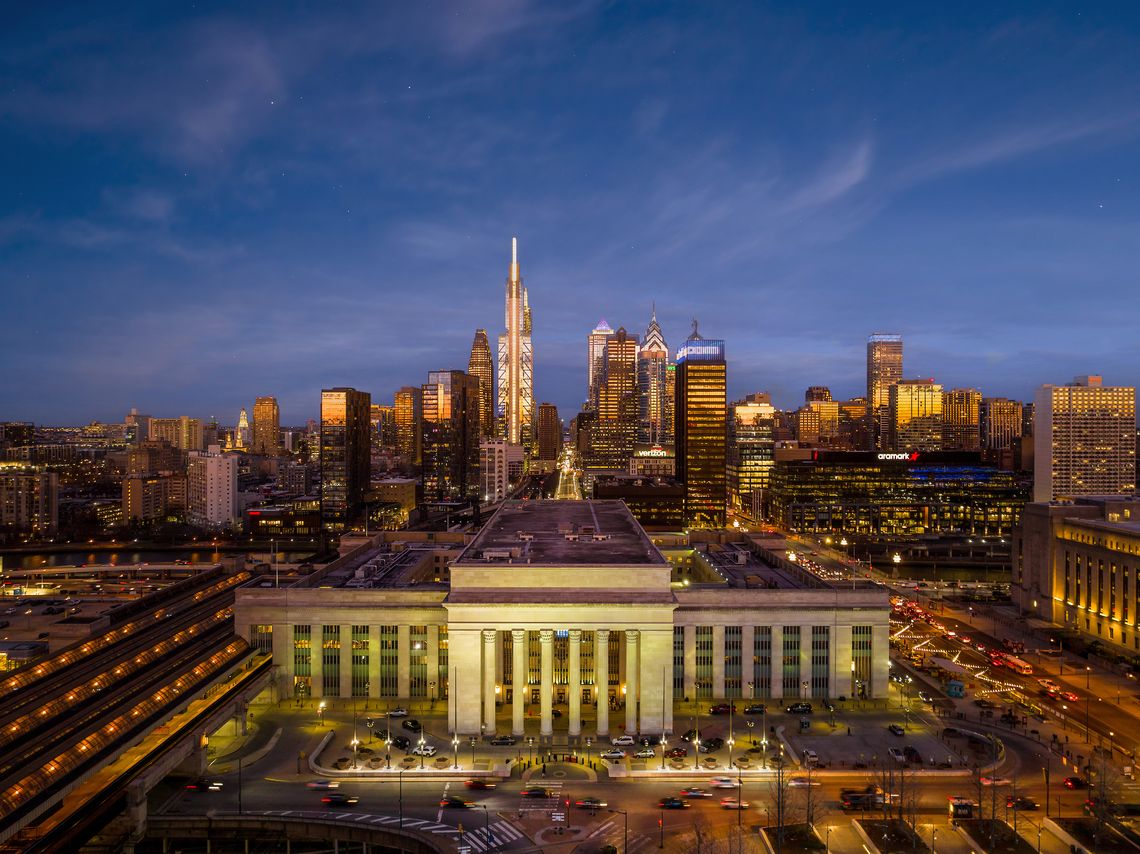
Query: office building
{"points": [[961, 419], [345, 456], [147, 497], [516, 361], [29, 500], [595, 359], [655, 402], [999, 422], [481, 366], [915, 415], [854, 428], [549, 432], [1076, 566], [16, 434], [615, 431], [750, 452], [295, 479], [409, 414], [242, 433], [701, 429], [817, 394], [450, 436], [151, 456], [568, 607], [500, 465], [1084, 440], [136, 426], [211, 488], [383, 422], [184, 433], [884, 369], [266, 427]]}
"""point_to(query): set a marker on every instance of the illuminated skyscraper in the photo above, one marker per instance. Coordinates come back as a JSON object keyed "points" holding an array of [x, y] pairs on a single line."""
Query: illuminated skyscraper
{"points": [[211, 488], [999, 422], [450, 436], [481, 366], [345, 454], [820, 393], [616, 428], [241, 432], [549, 432], [1084, 439], [750, 452], [516, 361], [915, 415], [184, 432], [655, 412], [701, 429], [961, 428], [266, 426], [595, 355], [383, 420], [409, 423], [884, 369]]}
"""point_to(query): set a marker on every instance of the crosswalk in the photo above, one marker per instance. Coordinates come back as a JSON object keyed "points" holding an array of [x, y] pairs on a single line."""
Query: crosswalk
{"points": [[482, 839], [543, 804], [476, 839], [613, 832]]}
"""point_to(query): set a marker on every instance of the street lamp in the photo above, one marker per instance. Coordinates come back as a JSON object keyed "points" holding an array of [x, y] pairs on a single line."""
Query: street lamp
{"points": [[431, 693], [355, 744], [455, 750], [388, 752], [589, 741], [625, 815], [827, 839], [697, 753], [421, 751], [368, 722], [751, 735], [731, 741], [530, 744], [664, 747], [320, 713]]}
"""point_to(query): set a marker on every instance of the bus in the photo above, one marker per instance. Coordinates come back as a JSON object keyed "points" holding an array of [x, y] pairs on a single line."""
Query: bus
{"points": [[1017, 665]]}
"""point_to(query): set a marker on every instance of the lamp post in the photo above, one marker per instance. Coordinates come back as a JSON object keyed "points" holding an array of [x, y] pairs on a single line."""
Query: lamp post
{"points": [[933, 839], [589, 741], [827, 838], [368, 722], [401, 776], [473, 740], [355, 744], [530, 745], [431, 694], [731, 741], [697, 753], [421, 751], [321, 713], [388, 752], [664, 747], [455, 751], [751, 735], [487, 826], [625, 815]]}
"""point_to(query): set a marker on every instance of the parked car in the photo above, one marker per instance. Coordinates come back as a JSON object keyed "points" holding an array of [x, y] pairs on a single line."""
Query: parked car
{"points": [[590, 804], [677, 752], [896, 729], [799, 709], [413, 725], [724, 782], [424, 750], [645, 753], [401, 741], [689, 735], [622, 741], [454, 801], [722, 709], [695, 792], [673, 804], [339, 799], [614, 755], [399, 712], [502, 740], [897, 755], [711, 745]]}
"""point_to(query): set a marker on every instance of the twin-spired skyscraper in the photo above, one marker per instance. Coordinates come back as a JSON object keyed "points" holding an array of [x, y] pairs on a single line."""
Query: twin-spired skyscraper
{"points": [[516, 361]]}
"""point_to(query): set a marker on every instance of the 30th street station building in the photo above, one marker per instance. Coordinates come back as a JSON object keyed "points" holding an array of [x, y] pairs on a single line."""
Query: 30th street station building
{"points": [[568, 606]]}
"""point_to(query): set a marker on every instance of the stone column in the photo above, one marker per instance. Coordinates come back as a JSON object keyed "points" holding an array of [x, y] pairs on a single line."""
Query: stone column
{"points": [[840, 683], [404, 662], [283, 659], [691, 662], [655, 682], [546, 642], [777, 690], [631, 681], [805, 661], [602, 678], [518, 680], [463, 659], [880, 650], [718, 662], [317, 661], [346, 661], [433, 664], [373, 661], [489, 679], [575, 682], [747, 661]]}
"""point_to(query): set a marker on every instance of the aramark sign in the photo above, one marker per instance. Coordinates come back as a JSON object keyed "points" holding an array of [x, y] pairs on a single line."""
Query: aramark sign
{"points": [[912, 456]]}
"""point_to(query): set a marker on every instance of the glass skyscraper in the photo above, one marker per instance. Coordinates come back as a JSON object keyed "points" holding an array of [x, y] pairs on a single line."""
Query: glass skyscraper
{"points": [[701, 429], [345, 453]]}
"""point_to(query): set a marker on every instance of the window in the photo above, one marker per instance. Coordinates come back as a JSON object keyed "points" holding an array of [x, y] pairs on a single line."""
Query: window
{"points": [[302, 657], [389, 661], [791, 661], [704, 643], [330, 660], [417, 661], [732, 663], [762, 662], [261, 638], [360, 651], [861, 661], [820, 661], [678, 661]]}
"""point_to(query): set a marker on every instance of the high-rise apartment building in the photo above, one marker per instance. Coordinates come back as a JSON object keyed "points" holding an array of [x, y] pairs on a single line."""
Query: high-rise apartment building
{"points": [[1084, 440], [29, 500], [655, 403], [183, 432], [961, 419], [915, 415], [999, 422], [817, 394], [884, 369], [549, 432], [266, 427], [155, 456], [450, 436], [516, 361], [211, 488], [595, 357], [482, 367], [345, 455], [750, 451], [149, 496], [409, 414], [701, 429], [500, 465], [615, 430], [16, 434]]}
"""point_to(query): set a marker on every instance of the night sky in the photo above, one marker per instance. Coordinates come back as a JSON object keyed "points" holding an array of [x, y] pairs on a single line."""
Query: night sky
{"points": [[200, 206]]}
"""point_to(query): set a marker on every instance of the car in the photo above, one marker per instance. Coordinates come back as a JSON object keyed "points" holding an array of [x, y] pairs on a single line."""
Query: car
{"points": [[677, 752], [382, 734], [897, 755], [994, 781], [911, 753], [689, 735], [734, 804], [1021, 803], [424, 750], [648, 741], [479, 784], [1070, 696], [755, 709], [724, 782], [412, 724], [1074, 783], [401, 741], [503, 740], [454, 801], [204, 784], [799, 709], [614, 755], [722, 709], [925, 697], [802, 782], [695, 792], [896, 729], [323, 784], [1049, 684], [711, 745], [535, 792], [673, 804], [399, 712], [645, 753], [810, 757], [339, 799], [622, 741], [590, 804], [964, 639]]}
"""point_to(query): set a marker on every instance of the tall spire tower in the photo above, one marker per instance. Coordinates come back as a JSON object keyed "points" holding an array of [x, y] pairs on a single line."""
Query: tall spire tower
{"points": [[516, 360]]}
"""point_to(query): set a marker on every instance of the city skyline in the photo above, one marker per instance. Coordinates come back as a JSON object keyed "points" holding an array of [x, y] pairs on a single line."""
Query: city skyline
{"points": [[203, 208]]}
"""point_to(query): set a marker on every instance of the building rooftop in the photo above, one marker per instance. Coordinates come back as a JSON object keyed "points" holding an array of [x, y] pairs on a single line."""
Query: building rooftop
{"points": [[585, 533]]}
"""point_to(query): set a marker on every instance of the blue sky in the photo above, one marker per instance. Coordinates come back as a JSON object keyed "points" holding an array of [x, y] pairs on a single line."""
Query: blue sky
{"points": [[203, 205]]}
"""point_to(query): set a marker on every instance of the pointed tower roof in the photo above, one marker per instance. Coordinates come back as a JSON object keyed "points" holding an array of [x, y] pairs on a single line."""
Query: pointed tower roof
{"points": [[654, 339], [603, 326]]}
